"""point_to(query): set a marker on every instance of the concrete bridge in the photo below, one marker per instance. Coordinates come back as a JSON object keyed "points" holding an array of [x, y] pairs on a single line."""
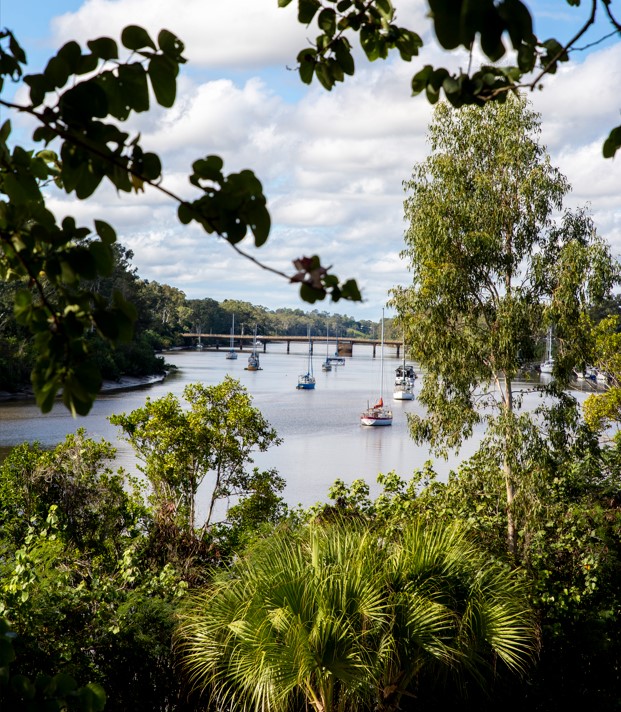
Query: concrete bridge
{"points": [[345, 345]]}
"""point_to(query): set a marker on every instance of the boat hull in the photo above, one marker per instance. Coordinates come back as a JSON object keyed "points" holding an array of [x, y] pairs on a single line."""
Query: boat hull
{"points": [[337, 360], [374, 421], [306, 382], [376, 417], [547, 367], [403, 395]]}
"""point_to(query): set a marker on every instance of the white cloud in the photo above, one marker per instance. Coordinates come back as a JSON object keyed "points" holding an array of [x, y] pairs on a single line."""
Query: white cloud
{"points": [[233, 33]]}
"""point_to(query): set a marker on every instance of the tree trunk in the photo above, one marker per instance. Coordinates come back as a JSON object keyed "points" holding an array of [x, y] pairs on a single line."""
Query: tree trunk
{"points": [[508, 470]]}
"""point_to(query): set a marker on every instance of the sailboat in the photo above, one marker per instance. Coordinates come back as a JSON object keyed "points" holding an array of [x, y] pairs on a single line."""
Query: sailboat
{"points": [[378, 414], [306, 381], [231, 353], [548, 365], [199, 343], [326, 365], [336, 359], [253, 359], [404, 381]]}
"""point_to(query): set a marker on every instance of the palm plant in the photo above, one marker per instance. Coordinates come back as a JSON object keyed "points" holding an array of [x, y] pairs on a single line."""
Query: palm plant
{"points": [[342, 617]]}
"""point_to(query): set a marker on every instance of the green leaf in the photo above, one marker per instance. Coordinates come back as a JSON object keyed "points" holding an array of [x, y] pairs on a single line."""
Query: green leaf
{"points": [[151, 166], [307, 10], [260, 223], [133, 86], [162, 73], [209, 168], [71, 54], [64, 684], [408, 43], [385, 8], [324, 75], [171, 45], [39, 86], [57, 72], [612, 143], [445, 23], [421, 78], [327, 21], [349, 290], [136, 37], [343, 56], [307, 60], [311, 294], [88, 63], [369, 41], [83, 102], [105, 231], [185, 213], [104, 47], [451, 86], [97, 699]]}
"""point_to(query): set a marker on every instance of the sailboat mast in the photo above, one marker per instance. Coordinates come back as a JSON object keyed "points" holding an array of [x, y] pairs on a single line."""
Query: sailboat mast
{"points": [[382, 360]]}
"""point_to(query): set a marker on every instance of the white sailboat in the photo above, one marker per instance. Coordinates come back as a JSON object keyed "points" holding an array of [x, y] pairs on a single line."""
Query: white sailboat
{"points": [[547, 366], [336, 359], [327, 365], [231, 353], [378, 414], [253, 359], [404, 381], [306, 381], [199, 343]]}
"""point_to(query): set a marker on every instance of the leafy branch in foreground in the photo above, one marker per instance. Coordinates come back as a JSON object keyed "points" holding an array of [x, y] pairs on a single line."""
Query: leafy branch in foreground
{"points": [[57, 694], [457, 23], [78, 101]]}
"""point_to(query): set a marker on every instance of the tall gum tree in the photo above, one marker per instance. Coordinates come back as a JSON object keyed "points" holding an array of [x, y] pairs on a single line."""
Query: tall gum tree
{"points": [[491, 268]]}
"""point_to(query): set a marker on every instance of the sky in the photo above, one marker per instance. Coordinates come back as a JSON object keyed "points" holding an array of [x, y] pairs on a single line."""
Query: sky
{"points": [[333, 163]]}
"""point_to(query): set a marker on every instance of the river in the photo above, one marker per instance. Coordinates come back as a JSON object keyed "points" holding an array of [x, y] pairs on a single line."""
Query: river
{"points": [[322, 436]]}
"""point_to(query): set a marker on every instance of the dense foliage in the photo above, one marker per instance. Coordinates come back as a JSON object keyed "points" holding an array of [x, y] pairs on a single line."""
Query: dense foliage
{"points": [[94, 564]]}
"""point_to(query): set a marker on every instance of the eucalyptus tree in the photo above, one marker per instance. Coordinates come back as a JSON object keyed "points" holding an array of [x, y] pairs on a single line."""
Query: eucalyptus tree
{"points": [[179, 447], [339, 616], [491, 269]]}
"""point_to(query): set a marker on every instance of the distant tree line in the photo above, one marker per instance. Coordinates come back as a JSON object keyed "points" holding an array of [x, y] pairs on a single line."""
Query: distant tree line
{"points": [[163, 313]]}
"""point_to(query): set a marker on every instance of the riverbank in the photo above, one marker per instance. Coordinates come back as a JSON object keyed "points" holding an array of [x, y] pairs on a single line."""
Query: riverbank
{"points": [[125, 383]]}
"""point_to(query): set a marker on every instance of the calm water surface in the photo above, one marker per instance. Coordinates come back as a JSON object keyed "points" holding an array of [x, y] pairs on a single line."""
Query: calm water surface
{"points": [[322, 436]]}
